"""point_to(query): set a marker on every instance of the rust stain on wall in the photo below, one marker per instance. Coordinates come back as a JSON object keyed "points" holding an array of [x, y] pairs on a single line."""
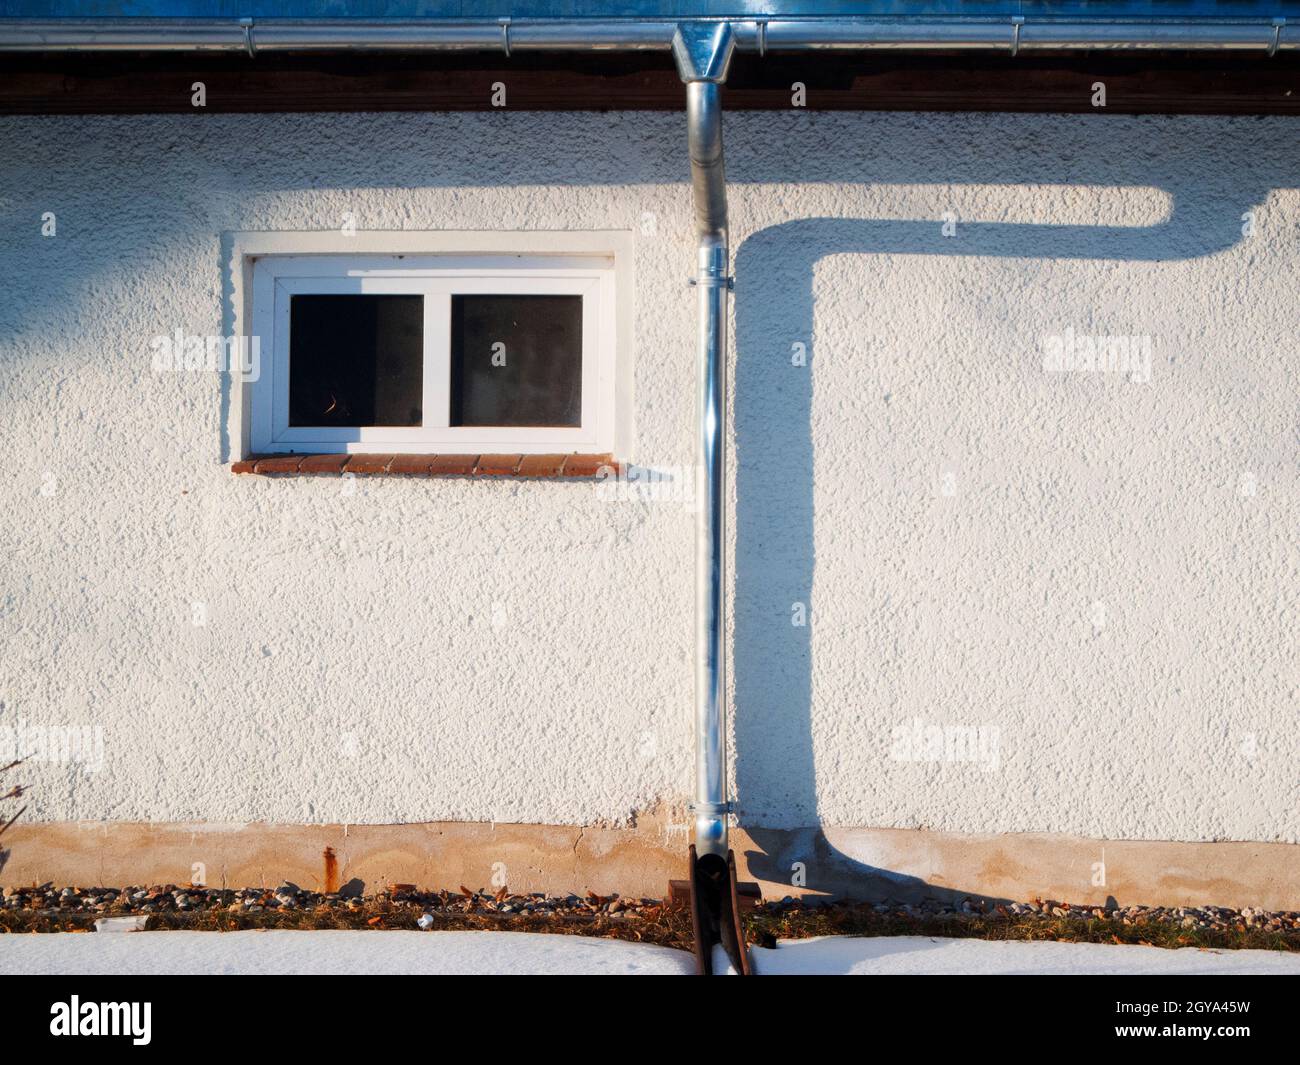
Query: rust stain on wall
{"points": [[331, 870]]}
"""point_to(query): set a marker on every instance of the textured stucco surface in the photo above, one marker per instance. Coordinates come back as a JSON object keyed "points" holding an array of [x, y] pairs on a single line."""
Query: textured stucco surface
{"points": [[950, 514]]}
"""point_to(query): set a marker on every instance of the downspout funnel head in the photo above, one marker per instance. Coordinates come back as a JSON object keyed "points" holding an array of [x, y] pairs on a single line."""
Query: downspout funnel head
{"points": [[703, 50]]}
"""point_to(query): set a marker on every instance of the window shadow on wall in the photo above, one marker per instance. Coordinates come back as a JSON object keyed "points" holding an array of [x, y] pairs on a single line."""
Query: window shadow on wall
{"points": [[775, 556]]}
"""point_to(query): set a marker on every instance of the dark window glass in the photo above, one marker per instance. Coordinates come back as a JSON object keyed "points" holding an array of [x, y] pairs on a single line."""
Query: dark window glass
{"points": [[516, 360], [356, 360]]}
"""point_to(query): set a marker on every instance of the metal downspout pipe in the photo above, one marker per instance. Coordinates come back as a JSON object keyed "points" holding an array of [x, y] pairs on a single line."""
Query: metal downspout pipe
{"points": [[703, 54]]}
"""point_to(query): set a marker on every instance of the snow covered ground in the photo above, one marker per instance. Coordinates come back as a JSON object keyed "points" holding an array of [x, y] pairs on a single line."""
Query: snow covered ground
{"points": [[334, 952], [305, 953], [898, 955]]}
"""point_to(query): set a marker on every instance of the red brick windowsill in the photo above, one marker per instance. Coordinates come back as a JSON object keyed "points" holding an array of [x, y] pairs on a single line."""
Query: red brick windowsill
{"points": [[560, 466]]}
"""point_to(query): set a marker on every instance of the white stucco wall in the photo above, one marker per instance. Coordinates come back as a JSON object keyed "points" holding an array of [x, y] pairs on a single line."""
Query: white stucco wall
{"points": [[950, 514]]}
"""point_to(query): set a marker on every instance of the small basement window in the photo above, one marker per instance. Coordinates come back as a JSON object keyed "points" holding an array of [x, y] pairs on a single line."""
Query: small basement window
{"points": [[435, 354]]}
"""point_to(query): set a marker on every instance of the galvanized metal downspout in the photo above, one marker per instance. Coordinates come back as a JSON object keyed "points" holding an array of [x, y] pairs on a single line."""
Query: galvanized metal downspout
{"points": [[703, 54]]}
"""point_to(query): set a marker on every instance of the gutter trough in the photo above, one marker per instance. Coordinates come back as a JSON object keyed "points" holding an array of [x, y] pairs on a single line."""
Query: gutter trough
{"points": [[912, 34]]}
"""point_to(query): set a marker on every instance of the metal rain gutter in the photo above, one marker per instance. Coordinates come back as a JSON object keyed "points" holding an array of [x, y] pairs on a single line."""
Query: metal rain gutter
{"points": [[909, 34]]}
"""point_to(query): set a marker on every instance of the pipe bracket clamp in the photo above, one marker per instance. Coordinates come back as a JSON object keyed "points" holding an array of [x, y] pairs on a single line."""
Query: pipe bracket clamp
{"points": [[715, 809], [729, 283]]}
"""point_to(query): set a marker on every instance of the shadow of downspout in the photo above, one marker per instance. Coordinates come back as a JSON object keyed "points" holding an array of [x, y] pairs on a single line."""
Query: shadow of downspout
{"points": [[775, 534]]}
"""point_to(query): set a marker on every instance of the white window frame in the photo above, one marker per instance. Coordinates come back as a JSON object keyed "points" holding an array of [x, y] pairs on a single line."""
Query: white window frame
{"points": [[591, 265]]}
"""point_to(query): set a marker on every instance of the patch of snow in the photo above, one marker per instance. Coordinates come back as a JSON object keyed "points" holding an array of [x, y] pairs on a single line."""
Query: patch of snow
{"points": [[299, 953], [134, 923], [898, 955]]}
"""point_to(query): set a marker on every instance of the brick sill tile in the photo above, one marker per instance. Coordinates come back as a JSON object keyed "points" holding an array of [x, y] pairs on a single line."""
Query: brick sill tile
{"points": [[556, 466]]}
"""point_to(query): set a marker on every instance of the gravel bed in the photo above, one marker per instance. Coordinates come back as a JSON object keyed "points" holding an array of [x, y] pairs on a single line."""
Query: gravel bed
{"points": [[288, 898], [170, 898]]}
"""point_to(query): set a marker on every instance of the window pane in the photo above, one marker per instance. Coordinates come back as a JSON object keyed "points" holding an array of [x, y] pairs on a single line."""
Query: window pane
{"points": [[516, 360], [356, 360]]}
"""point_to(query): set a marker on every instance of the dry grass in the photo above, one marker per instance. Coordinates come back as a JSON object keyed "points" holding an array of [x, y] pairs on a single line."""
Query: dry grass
{"points": [[661, 925], [671, 927], [769, 925]]}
